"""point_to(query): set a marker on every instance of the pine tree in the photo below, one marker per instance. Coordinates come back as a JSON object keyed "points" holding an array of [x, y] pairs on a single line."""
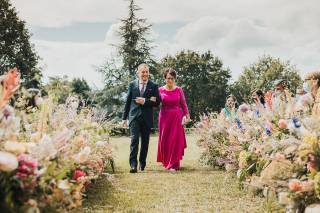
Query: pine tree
{"points": [[135, 47], [15, 47]]}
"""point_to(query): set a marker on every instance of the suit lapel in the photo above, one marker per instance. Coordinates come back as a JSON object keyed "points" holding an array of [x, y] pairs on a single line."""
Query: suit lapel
{"points": [[147, 88], [137, 86]]}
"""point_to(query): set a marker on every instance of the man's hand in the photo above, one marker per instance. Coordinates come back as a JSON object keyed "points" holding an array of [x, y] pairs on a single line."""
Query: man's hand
{"points": [[140, 100], [124, 123], [153, 99]]}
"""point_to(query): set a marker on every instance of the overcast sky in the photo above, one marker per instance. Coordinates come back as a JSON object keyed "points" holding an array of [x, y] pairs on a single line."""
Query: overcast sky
{"points": [[73, 36]]}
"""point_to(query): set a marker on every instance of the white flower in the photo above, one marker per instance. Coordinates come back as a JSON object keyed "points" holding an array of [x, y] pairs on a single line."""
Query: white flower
{"points": [[15, 147], [8, 162], [83, 155], [63, 184], [61, 138], [44, 149], [101, 143]]}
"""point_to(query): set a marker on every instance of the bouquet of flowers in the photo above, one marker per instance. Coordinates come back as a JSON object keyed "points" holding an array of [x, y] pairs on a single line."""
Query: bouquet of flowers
{"points": [[48, 155], [269, 150]]}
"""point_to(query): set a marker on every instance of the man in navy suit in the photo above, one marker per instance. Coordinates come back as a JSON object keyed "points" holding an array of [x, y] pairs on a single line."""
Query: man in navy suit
{"points": [[142, 96]]}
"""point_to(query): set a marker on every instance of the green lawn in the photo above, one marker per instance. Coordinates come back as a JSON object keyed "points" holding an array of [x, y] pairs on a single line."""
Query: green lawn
{"points": [[193, 189]]}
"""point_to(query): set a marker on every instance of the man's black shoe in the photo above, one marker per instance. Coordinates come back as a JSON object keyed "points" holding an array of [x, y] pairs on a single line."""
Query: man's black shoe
{"points": [[141, 168], [133, 170]]}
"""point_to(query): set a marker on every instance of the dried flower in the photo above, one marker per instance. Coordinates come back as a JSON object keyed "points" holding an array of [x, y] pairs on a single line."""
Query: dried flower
{"points": [[78, 174], [282, 124], [10, 83], [64, 184], [244, 108], [15, 147], [295, 185], [8, 162]]}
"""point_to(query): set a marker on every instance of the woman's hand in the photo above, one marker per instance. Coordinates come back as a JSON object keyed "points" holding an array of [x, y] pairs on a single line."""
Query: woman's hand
{"points": [[187, 120], [153, 99]]}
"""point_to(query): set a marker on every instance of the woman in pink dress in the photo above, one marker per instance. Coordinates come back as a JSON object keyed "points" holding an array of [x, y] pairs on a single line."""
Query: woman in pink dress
{"points": [[173, 114]]}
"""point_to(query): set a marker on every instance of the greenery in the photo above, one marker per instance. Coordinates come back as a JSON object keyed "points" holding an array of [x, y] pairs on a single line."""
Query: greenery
{"points": [[15, 47], [81, 88], [60, 88], [262, 75], [135, 47]]}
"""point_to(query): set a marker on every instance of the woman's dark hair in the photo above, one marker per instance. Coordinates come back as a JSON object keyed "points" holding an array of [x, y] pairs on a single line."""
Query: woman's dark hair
{"points": [[235, 100], [260, 94], [170, 71]]}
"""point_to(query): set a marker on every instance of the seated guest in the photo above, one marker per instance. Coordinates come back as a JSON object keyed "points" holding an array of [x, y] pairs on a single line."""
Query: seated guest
{"points": [[299, 93], [311, 85], [280, 98], [230, 109], [258, 100]]}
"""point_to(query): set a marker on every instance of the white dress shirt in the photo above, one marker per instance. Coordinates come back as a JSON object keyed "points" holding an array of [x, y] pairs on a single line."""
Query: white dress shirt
{"points": [[145, 86], [141, 84]]}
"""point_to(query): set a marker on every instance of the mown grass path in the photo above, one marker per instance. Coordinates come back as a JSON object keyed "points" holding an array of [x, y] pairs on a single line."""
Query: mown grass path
{"points": [[193, 189]]}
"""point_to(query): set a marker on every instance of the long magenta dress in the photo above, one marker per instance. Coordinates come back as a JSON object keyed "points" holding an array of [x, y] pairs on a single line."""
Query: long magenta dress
{"points": [[172, 139]]}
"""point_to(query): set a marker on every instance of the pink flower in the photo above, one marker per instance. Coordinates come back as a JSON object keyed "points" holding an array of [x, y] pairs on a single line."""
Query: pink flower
{"points": [[8, 111], [295, 185], [27, 171], [244, 108], [205, 119], [28, 161], [282, 124], [21, 175], [200, 125], [311, 157], [312, 166], [78, 174]]}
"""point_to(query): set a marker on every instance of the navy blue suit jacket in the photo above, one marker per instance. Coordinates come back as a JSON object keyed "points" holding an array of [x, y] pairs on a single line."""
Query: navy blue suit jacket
{"points": [[132, 110]]}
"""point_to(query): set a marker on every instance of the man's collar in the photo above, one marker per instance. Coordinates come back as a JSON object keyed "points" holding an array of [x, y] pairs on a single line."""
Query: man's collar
{"points": [[145, 82]]}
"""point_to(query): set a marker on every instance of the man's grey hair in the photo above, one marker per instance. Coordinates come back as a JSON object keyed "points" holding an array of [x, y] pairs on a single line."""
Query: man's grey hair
{"points": [[143, 65]]}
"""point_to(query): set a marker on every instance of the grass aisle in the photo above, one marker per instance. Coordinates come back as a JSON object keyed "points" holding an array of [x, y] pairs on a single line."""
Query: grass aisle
{"points": [[193, 189]]}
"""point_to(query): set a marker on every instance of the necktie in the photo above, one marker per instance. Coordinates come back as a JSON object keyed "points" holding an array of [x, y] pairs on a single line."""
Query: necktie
{"points": [[142, 89]]}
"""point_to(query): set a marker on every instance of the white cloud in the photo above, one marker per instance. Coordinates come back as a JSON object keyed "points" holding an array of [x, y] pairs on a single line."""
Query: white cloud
{"points": [[112, 36], [72, 59], [59, 13], [286, 14], [240, 41], [238, 31]]}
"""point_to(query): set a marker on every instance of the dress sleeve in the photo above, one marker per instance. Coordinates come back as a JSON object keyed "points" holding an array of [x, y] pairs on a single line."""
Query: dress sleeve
{"points": [[183, 103]]}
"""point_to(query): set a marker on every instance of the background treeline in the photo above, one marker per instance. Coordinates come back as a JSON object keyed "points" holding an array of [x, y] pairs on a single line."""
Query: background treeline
{"points": [[203, 76]]}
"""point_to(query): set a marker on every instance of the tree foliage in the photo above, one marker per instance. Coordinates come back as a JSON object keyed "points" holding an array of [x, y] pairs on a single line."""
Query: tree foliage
{"points": [[15, 47], [262, 75], [60, 88], [81, 88], [133, 50], [135, 46], [203, 78]]}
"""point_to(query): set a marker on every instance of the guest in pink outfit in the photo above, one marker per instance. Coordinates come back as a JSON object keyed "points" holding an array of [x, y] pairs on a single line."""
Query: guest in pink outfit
{"points": [[173, 114]]}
